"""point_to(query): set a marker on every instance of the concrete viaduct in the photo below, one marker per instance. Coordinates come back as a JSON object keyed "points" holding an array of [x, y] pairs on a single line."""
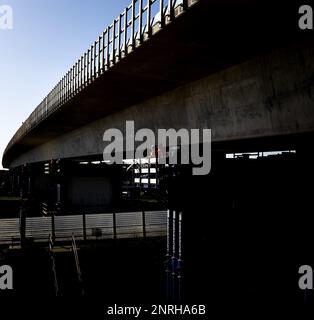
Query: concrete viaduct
{"points": [[206, 64], [241, 68]]}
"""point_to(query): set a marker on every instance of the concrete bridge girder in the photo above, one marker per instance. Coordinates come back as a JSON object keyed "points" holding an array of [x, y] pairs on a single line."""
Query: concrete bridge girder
{"points": [[270, 95]]}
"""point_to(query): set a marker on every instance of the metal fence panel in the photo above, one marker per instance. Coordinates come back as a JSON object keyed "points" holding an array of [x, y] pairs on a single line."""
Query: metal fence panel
{"points": [[99, 226], [66, 225], [156, 223], [129, 224], [38, 228], [9, 230]]}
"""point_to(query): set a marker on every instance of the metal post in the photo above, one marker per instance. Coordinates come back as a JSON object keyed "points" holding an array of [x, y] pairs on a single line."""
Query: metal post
{"points": [[87, 67], [91, 62], [168, 254], [78, 75], [103, 50], [119, 37], [171, 9], [180, 261], [22, 225], [114, 42], [140, 22], [77, 264], [144, 224], [82, 70], [161, 10], [62, 89], [174, 259], [125, 30], [99, 53], [70, 83], [53, 228], [149, 18], [133, 25], [114, 226], [95, 57], [76, 78], [67, 86], [108, 47], [84, 227], [53, 261]]}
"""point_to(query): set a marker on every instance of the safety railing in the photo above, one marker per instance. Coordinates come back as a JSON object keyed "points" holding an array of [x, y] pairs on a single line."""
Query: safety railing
{"points": [[138, 22], [85, 227]]}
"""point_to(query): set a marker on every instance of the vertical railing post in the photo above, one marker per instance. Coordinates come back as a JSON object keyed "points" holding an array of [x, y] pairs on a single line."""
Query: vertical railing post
{"points": [[144, 223], [149, 18], [58, 97], [63, 89], [73, 79], [119, 37], [82, 71], [52, 99], [108, 48], [125, 31], [114, 41], [53, 230], [171, 9], [140, 21], [22, 225], [91, 62], [60, 94], [85, 69], [95, 58], [114, 218], [161, 10], [99, 54], [71, 82], [84, 227], [103, 50], [68, 85], [78, 76], [133, 25]]}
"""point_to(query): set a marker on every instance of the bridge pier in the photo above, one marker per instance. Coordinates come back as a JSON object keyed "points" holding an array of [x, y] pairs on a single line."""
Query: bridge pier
{"points": [[245, 231]]}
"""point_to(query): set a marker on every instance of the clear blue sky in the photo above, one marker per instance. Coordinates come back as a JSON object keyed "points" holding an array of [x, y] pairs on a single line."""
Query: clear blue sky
{"points": [[47, 38]]}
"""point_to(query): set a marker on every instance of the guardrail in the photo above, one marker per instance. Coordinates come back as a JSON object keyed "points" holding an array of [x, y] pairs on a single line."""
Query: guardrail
{"points": [[130, 29], [86, 227]]}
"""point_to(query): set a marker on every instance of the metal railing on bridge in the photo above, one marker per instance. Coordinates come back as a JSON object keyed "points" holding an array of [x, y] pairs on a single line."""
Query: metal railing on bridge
{"points": [[86, 227], [139, 21]]}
